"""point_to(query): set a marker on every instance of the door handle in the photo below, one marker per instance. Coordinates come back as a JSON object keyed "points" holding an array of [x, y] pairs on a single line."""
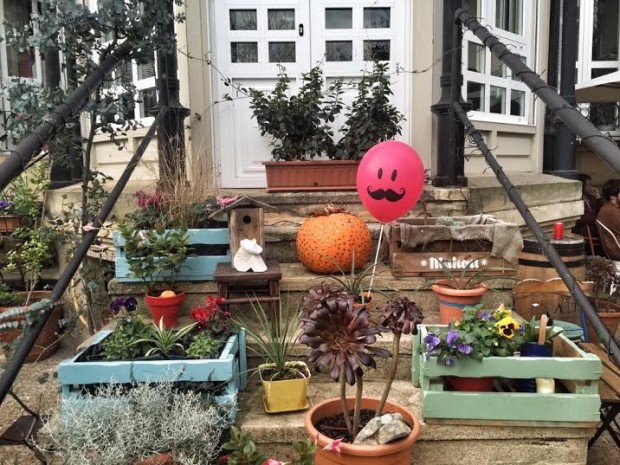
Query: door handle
{"points": [[301, 30]]}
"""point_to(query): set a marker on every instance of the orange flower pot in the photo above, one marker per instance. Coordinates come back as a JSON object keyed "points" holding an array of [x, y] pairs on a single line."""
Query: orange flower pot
{"points": [[167, 308], [395, 453], [452, 301]]}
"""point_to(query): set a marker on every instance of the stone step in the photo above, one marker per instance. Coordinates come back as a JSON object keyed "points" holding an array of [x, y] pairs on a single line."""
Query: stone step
{"points": [[438, 444]]}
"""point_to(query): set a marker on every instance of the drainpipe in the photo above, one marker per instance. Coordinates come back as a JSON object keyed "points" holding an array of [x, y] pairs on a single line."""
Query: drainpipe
{"points": [[565, 161], [171, 133], [552, 80], [449, 171]]}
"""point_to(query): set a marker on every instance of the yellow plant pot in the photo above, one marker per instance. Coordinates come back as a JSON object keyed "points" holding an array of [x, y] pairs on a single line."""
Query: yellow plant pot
{"points": [[287, 395]]}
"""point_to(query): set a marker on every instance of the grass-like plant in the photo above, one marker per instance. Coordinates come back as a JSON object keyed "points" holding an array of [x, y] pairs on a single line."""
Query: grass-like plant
{"points": [[165, 340], [458, 279]]}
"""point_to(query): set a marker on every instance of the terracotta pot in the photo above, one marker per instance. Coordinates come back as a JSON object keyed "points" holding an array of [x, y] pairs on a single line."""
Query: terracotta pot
{"points": [[460, 383], [611, 321], [396, 453], [453, 301], [9, 223], [167, 308], [47, 341], [311, 175]]}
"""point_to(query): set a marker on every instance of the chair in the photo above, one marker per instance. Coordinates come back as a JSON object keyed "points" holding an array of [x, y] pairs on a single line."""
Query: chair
{"points": [[594, 241], [603, 229]]}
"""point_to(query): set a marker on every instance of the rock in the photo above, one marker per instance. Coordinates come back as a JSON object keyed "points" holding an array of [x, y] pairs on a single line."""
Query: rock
{"points": [[386, 428]]}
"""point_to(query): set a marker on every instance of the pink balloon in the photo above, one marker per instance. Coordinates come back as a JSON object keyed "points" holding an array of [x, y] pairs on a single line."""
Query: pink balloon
{"points": [[390, 180]]}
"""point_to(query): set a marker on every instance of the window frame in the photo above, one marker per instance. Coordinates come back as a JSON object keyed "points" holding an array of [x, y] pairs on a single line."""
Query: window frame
{"points": [[520, 44]]}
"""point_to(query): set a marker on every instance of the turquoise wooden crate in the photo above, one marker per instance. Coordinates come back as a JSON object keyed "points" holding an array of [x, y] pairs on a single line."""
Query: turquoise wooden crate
{"points": [[577, 370], [230, 368], [196, 268]]}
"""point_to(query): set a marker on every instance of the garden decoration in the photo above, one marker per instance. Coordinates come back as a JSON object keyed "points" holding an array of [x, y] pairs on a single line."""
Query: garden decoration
{"points": [[341, 339], [248, 257], [328, 241], [285, 381], [477, 335]]}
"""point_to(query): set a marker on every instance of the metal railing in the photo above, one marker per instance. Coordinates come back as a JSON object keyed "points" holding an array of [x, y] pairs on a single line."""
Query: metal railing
{"points": [[573, 119]]}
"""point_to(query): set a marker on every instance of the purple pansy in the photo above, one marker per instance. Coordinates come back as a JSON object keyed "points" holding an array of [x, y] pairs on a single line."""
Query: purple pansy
{"points": [[485, 315], [117, 304], [465, 349], [130, 304], [451, 338], [5, 204], [450, 361], [431, 340]]}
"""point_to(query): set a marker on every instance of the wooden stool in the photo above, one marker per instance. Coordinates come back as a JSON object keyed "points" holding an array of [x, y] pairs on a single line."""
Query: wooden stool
{"points": [[230, 280]]}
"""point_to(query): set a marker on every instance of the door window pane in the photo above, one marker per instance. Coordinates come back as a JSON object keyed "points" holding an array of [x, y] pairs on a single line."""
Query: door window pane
{"points": [[473, 7], [19, 62], [475, 95], [475, 57], [376, 50], [244, 52], [517, 103], [338, 18], [281, 52], [509, 15], [376, 18], [605, 30], [498, 100], [524, 61], [339, 50], [280, 20], [242, 20]]}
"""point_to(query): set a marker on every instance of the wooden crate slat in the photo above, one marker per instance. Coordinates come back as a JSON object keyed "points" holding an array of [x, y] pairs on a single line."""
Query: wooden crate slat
{"points": [[428, 264], [513, 406], [195, 236]]}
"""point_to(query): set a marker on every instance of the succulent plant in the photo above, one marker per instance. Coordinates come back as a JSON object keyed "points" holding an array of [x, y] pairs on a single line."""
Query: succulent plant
{"points": [[316, 296]]}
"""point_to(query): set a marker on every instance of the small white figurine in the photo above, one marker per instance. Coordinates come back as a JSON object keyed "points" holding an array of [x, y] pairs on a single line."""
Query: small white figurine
{"points": [[248, 257]]}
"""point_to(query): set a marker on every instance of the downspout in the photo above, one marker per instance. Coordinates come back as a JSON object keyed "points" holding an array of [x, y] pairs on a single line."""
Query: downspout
{"points": [[552, 80], [449, 171], [564, 160]]}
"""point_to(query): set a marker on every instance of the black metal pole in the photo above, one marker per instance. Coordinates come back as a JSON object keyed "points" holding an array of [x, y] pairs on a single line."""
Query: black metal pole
{"points": [[554, 258], [54, 121], [31, 334], [456, 161], [552, 80], [564, 160], [445, 152], [171, 135], [604, 147]]}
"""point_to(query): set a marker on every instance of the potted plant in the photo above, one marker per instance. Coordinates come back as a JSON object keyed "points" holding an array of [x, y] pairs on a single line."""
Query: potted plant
{"points": [[300, 128], [341, 339], [285, 381], [156, 257], [602, 271], [478, 334]]}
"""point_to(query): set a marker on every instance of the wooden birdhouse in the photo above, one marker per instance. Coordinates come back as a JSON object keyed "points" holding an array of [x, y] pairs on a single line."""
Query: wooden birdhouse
{"points": [[246, 218]]}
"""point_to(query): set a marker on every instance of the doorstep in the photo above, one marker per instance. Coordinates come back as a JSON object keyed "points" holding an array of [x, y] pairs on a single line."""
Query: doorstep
{"points": [[438, 444]]}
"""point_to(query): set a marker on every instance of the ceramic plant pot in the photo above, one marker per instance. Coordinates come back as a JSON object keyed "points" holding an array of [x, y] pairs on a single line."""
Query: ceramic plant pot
{"points": [[462, 383], [452, 301], [311, 175], [395, 453], [9, 223], [167, 308], [532, 349], [288, 395]]}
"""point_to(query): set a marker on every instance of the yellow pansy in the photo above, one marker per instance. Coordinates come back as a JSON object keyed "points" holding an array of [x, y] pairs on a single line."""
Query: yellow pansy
{"points": [[507, 327]]}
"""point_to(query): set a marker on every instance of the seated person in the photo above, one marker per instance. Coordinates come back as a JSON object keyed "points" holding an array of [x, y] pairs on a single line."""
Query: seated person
{"points": [[592, 203], [609, 215]]}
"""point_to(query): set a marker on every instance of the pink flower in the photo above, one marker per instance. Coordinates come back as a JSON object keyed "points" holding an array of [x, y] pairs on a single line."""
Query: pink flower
{"points": [[272, 462], [334, 446], [88, 228], [224, 201]]}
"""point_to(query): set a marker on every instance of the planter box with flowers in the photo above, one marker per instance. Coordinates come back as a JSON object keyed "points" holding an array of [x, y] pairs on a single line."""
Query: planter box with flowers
{"points": [[575, 399], [205, 355]]}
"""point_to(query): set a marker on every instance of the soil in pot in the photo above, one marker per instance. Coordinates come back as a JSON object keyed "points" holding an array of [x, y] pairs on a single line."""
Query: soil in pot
{"points": [[334, 426]]}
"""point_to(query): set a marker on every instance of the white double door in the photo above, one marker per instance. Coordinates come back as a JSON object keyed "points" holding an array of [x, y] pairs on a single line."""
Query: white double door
{"points": [[249, 38]]}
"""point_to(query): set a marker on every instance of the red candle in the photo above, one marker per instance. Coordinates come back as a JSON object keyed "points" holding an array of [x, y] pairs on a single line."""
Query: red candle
{"points": [[558, 231]]}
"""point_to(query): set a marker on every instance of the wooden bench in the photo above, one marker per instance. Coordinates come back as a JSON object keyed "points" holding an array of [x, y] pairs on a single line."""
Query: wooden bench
{"points": [[609, 391], [249, 283]]}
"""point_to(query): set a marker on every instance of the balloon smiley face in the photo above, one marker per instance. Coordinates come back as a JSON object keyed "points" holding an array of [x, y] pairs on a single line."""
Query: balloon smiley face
{"points": [[390, 180]]}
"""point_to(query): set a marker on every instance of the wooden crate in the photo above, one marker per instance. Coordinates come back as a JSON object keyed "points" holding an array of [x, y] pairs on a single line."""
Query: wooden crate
{"points": [[575, 369], [230, 368], [439, 243], [199, 266]]}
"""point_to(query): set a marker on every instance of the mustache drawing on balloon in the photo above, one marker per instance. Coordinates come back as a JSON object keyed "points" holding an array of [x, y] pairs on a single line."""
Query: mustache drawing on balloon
{"points": [[387, 194]]}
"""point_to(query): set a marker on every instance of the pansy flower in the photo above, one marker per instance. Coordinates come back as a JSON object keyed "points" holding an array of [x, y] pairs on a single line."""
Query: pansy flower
{"points": [[507, 326], [431, 340]]}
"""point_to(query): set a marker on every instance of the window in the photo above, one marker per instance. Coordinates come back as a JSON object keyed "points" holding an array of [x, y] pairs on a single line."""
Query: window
{"points": [[598, 55], [488, 85]]}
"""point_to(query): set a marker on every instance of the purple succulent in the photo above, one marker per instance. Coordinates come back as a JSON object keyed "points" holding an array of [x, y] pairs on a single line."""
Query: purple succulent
{"points": [[402, 316]]}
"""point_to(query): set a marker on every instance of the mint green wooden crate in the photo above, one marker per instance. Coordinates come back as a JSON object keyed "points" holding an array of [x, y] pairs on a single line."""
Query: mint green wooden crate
{"points": [[576, 369]]}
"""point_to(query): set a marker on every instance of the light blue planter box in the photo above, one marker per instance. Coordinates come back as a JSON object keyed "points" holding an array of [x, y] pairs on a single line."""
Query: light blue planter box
{"points": [[229, 368], [196, 267]]}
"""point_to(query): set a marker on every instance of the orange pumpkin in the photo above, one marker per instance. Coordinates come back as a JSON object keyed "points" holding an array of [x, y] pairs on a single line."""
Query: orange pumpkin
{"points": [[327, 243]]}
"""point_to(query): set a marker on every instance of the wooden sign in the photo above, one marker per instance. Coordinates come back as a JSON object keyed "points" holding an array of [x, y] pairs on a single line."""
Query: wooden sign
{"points": [[430, 264]]}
